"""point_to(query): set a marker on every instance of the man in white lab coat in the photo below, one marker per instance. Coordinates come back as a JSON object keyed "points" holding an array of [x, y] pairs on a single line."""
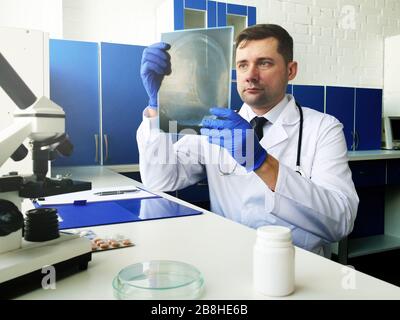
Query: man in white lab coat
{"points": [[253, 175]]}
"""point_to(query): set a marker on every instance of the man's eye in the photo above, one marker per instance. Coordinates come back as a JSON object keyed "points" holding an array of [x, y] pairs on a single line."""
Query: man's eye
{"points": [[265, 64], [242, 66]]}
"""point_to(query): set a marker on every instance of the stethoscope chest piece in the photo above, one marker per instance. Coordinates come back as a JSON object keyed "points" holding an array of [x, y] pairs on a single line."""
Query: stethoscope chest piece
{"points": [[300, 171]]}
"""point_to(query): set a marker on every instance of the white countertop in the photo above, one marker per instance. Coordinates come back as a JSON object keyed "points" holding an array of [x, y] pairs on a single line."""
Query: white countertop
{"points": [[373, 155], [219, 248], [353, 156]]}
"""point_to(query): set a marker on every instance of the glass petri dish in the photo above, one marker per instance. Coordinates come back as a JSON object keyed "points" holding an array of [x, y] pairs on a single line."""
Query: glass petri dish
{"points": [[158, 280]]}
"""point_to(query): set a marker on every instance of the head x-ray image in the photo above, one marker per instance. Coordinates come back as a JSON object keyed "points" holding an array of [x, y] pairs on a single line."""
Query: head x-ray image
{"points": [[201, 61]]}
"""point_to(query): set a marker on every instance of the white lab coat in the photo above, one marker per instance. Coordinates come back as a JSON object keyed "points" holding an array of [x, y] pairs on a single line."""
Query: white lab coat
{"points": [[319, 208]]}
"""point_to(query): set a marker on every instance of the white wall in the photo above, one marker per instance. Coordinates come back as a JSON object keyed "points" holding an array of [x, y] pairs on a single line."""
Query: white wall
{"points": [[337, 42], [43, 15], [120, 21], [28, 54]]}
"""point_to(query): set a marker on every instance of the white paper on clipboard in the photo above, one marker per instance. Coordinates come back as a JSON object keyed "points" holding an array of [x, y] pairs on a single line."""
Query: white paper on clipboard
{"points": [[98, 195]]}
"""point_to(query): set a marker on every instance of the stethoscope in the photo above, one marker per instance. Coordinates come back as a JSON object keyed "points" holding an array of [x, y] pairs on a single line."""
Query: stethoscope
{"points": [[299, 142]]}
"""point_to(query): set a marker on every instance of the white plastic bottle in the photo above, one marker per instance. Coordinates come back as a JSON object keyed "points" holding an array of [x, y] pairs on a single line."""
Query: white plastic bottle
{"points": [[273, 261]]}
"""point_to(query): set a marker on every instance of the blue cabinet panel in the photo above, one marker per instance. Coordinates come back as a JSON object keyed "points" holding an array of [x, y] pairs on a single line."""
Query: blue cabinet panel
{"points": [[310, 96], [221, 14], [340, 104], [195, 193], [370, 219], [74, 85], [393, 172], [234, 74], [237, 9], [368, 118], [369, 178], [251, 16], [236, 101], [178, 15], [368, 173], [211, 14], [289, 89], [196, 4], [123, 100], [216, 12]]}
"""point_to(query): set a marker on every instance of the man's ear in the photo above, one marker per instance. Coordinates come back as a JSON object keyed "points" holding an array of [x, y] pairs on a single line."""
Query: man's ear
{"points": [[292, 70]]}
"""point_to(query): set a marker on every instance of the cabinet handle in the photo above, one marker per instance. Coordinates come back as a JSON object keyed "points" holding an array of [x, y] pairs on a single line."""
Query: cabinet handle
{"points": [[96, 142], [106, 145], [357, 140]]}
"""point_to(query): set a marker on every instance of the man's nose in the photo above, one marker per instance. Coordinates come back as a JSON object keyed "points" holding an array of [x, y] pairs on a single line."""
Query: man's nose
{"points": [[252, 74]]}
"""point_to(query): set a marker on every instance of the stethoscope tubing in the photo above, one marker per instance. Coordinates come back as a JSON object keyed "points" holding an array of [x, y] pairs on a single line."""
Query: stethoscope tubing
{"points": [[299, 142]]}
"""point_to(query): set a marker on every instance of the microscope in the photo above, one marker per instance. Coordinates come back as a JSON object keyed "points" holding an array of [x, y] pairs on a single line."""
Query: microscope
{"points": [[42, 122]]}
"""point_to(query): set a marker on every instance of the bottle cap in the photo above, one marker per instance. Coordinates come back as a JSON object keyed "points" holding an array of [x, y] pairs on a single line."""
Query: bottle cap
{"points": [[274, 233]]}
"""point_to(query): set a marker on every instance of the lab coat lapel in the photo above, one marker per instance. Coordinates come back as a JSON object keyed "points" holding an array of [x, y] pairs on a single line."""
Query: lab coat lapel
{"points": [[278, 133]]}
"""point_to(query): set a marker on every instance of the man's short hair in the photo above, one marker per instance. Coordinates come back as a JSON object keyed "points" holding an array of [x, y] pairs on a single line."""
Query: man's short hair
{"points": [[264, 31]]}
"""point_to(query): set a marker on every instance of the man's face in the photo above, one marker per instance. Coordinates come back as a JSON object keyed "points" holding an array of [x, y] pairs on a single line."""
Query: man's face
{"points": [[262, 73]]}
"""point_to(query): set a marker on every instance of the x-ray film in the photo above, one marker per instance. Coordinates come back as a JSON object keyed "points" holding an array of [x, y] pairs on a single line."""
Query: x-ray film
{"points": [[201, 61]]}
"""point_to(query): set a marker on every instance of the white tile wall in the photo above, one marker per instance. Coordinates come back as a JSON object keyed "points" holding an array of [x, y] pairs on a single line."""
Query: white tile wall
{"points": [[343, 38], [338, 42]]}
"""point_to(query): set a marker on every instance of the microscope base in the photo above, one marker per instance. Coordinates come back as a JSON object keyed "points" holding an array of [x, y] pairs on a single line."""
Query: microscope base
{"points": [[22, 270]]}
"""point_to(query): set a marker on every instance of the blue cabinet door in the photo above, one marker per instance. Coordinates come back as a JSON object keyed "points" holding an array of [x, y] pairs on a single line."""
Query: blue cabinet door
{"points": [[340, 104], [370, 219], [309, 96], [216, 12], [371, 173], [123, 101], [368, 118], [74, 85], [236, 101]]}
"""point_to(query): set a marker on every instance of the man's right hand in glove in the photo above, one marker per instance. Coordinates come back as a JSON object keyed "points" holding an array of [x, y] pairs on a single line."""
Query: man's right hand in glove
{"points": [[156, 63]]}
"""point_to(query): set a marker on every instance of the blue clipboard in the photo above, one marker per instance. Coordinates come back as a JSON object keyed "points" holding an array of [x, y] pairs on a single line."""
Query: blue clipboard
{"points": [[117, 211]]}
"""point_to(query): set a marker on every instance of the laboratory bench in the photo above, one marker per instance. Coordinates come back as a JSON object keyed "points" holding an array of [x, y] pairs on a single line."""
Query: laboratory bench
{"points": [[376, 234], [376, 175], [219, 248]]}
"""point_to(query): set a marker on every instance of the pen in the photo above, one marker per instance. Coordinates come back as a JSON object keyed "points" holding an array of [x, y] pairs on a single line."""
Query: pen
{"points": [[116, 192]]}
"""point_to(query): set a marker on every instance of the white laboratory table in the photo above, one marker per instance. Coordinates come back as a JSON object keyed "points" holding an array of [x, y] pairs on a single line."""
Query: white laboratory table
{"points": [[219, 248]]}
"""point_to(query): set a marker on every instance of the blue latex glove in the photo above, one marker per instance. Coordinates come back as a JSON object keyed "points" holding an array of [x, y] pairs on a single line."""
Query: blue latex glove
{"points": [[156, 63], [236, 135]]}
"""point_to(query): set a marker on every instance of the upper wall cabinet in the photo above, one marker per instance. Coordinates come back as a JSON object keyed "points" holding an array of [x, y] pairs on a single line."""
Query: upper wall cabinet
{"points": [[123, 100], [309, 96], [360, 112], [103, 99], [74, 85], [368, 124], [190, 14], [340, 104]]}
